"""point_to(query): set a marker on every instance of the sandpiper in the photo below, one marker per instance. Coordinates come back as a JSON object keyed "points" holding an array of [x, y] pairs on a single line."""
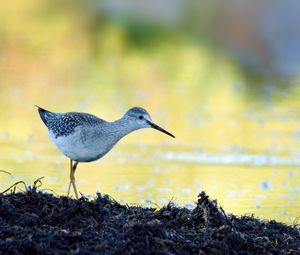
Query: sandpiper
{"points": [[83, 137]]}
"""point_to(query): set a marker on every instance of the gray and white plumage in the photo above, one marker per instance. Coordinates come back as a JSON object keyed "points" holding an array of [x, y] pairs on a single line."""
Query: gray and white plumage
{"points": [[84, 137], [63, 124]]}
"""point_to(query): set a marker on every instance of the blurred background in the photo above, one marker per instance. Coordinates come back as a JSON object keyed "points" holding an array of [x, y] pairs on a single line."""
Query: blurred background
{"points": [[223, 76]]}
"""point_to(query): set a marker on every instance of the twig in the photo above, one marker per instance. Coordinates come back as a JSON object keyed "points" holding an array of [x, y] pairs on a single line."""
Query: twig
{"points": [[3, 171], [38, 183], [14, 187]]}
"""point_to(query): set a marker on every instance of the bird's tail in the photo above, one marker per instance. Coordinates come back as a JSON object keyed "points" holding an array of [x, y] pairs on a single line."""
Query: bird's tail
{"points": [[44, 114]]}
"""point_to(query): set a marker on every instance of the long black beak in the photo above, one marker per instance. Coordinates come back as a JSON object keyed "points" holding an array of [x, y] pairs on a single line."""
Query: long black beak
{"points": [[159, 128]]}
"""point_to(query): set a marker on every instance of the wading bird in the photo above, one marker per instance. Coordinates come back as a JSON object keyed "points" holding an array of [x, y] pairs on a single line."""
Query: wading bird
{"points": [[83, 137]]}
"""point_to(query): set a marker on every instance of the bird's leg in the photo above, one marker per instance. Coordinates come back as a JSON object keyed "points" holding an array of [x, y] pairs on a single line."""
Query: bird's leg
{"points": [[72, 177], [71, 170]]}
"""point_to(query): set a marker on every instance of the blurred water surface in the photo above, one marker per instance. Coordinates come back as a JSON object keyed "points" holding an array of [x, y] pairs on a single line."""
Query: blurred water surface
{"points": [[246, 156], [237, 138]]}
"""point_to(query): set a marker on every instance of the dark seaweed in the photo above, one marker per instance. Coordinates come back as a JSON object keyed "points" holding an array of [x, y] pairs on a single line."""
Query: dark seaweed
{"points": [[35, 222]]}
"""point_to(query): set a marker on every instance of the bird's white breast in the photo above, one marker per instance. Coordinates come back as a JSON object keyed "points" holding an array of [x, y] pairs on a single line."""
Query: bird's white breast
{"points": [[83, 144]]}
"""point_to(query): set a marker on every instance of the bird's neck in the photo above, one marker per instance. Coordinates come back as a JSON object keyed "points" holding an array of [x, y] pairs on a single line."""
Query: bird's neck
{"points": [[123, 127]]}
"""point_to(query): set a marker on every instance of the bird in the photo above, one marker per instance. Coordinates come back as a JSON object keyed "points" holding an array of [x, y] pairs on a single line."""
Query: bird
{"points": [[83, 137]]}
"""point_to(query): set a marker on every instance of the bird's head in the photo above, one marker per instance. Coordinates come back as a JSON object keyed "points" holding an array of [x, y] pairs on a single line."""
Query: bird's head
{"points": [[140, 118]]}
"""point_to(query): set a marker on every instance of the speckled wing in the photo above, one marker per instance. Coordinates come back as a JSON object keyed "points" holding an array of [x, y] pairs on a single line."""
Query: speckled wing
{"points": [[64, 124]]}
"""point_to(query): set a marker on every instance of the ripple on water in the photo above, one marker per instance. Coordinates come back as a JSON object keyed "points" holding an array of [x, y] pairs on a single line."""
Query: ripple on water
{"points": [[231, 159]]}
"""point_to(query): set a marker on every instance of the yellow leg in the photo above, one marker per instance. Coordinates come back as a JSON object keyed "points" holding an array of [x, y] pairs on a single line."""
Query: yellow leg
{"points": [[68, 193], [72, 178], [71, 170]]}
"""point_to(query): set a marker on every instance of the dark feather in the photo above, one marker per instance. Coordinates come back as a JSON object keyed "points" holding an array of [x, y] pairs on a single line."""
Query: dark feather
{"points": [[63, 124]]}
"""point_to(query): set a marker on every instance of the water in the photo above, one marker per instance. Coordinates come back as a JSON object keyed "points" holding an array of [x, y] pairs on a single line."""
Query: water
{"points": [[245, 157]]}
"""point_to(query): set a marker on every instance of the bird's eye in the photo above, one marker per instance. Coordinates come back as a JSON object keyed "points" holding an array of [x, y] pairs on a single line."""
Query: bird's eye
{"points": [[141, 117]]}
